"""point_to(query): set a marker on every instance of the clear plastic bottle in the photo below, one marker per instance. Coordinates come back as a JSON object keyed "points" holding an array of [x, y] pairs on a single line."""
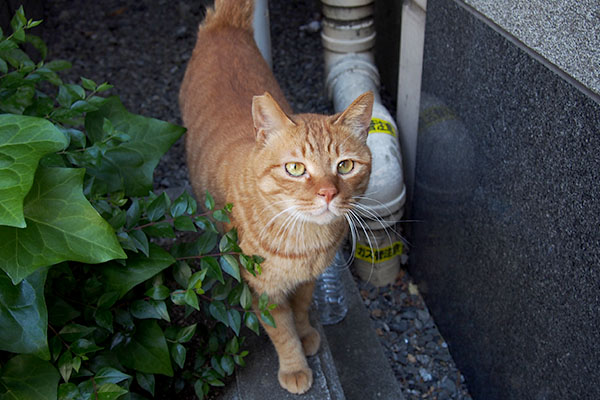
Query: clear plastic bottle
{"points": [[330, 293]]}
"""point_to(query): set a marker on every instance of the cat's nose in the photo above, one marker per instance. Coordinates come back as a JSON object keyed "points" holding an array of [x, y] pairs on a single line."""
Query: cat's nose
{"points": [[328, 192]]}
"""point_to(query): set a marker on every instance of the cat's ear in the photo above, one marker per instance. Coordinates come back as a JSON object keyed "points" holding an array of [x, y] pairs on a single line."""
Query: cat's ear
{"points": [[357, 117], [268, 117]]}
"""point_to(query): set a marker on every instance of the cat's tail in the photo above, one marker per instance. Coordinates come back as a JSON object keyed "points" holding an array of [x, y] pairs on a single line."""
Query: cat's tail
{"points": [[230, 13]]}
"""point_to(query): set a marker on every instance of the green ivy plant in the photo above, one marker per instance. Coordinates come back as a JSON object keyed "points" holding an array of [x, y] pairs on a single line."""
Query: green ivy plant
{"points": [[106, 288]]}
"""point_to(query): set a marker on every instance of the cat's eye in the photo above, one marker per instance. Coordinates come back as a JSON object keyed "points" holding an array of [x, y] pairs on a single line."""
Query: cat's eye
{"points": [[345, 166], [295, 169]]}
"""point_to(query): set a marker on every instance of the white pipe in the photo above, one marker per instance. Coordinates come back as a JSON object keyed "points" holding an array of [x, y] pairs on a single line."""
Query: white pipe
{"points": [[351, 71], [409, 82], [262, 29]]}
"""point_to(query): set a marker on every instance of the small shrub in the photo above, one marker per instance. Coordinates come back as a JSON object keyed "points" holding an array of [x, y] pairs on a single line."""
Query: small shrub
{"points": [[95, 288]]}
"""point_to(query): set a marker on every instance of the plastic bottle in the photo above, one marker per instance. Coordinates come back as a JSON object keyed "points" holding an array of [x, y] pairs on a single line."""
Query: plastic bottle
{"points": [[330, 292]]}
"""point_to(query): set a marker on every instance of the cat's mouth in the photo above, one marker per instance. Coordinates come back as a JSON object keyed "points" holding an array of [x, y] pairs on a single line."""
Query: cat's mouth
{"points": [[325, 214]]}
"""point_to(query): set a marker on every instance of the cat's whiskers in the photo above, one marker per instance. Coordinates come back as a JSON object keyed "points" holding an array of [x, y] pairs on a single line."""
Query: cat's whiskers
{"points": [[290, 221], [386, 224], [364, 226], [272, 220]]}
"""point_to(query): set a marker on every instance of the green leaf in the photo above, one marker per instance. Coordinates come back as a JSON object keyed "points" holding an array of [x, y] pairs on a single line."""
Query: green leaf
{"points": [[178, 352], [110, 375], [84, 346], [251, 321], [68, 391], [246, 297], [38, 43], [107, 299], [56, 232], [129, 166], [26, 377], [191, 298], [198, 389], [235, 320], [263, 301], [213, 268], [206, 242], [219, 312], [158, 207], [65, 365], [227, 364], [158, 292], [146, 382], [231, 266], [209, 202], [145, 309], [184, 224], [220, 215], [147, 351], [72, 332], [110, 391], [23, 142], [88, 84], [267, 318], [58, 65], [23, 315], [139, 268], [161, 229], [182, 273], [185, 334], [180, 205]]}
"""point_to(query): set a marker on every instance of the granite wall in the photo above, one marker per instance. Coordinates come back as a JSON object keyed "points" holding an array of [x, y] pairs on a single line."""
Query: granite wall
{"points": [[506, 247]]}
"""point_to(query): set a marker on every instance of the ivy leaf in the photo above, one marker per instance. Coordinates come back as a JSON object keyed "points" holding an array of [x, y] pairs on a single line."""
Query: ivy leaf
{"points": [[231, 266], [251, 321], [235, 320], [206, 242], [146, 382], [110, 375], [227, 364], [23, 315], [191, 298], [185, 334], [219, 312], [27, 377], [23, 142], [267, 318], [209, 202], [147, 350], [178, 352], [130, 165], [72, 332], [139, 268], [246, 297], [61, 225], [212, 266], [143, 309], [110, 391]]}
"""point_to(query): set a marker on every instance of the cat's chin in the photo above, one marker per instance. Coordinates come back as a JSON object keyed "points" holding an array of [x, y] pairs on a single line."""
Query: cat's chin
{"points": [[325, 217]]}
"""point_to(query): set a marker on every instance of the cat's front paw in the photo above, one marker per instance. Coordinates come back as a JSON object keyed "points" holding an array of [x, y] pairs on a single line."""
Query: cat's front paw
{"points": [[311, 342], [296, 382]]}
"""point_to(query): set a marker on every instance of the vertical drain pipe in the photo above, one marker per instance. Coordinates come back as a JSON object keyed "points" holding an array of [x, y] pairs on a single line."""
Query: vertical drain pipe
{"points": [[262, 29], [412, 38], [348, 37]]}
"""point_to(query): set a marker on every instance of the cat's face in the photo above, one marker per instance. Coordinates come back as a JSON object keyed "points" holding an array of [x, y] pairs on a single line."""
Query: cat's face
{"points": [[311, 167]]}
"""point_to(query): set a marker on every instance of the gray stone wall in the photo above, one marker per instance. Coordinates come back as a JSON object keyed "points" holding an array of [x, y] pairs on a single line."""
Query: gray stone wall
{"points": [[507, 244]]}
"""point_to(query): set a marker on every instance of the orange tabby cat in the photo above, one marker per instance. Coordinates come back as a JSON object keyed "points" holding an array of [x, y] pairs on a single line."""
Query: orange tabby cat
{"points": [[291, 177]]}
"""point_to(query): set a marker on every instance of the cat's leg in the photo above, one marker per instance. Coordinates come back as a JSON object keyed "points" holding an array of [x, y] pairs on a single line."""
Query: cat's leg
{"points": [[294, 373], [300, 303]]}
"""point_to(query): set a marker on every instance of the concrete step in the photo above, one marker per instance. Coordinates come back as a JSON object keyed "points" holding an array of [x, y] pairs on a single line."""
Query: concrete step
{"points": [[258, 380], [350, 364]]}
